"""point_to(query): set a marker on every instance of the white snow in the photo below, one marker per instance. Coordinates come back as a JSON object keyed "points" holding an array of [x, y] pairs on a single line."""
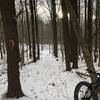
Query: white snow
{"points": [[45, 79], [23, 98]]}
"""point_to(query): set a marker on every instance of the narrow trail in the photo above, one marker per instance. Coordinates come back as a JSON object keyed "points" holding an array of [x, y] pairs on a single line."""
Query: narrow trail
{"points": [[46, 79]]}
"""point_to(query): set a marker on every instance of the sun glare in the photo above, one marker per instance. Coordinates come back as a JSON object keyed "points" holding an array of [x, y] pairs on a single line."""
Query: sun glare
{"points": [[60, 14], [93, 17]]}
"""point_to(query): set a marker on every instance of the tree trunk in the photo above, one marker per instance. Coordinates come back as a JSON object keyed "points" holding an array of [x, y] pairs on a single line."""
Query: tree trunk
{"points": [[54, 27], [96, 36], [81, 41], [89, 34], [33, 31], [42, 35], [11, 38], [1, 49], [66, 36], [1, 41], [85, 25], [22, 35], [74, 43], [36, 28], [28, 29], [98, 12], [99, 53]]}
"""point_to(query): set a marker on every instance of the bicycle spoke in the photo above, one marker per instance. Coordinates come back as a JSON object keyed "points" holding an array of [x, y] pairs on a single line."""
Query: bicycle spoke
{"points": [[84, 93]]}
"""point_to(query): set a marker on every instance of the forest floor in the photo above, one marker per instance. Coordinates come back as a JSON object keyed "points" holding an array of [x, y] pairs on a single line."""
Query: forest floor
{"points": [[46, 79]]}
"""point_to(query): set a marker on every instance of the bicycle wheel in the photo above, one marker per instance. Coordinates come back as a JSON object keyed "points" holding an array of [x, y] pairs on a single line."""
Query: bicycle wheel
{"points": [[83, 91]]}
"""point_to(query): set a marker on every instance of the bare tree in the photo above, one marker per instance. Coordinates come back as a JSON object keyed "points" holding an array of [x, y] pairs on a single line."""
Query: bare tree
{"points": [[1, 40], [98, 29], [33, 31], [96, 35], [22, 33], [81, 41], [11, 37], [28, 29], [54, 27], [66, 36], [85, 3], [73, 40], [36, 27], [89, 35]]}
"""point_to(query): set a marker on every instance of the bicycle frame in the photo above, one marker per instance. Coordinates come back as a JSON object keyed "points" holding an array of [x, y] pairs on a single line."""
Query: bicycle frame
{"points": [[93, 86]]}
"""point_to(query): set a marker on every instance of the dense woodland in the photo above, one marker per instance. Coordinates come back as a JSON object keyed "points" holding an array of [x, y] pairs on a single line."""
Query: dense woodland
{"points": [[71, 26]]}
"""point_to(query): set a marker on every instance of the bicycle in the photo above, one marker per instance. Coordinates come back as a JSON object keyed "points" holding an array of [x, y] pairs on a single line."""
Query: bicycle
{"points": [[88, 91]]}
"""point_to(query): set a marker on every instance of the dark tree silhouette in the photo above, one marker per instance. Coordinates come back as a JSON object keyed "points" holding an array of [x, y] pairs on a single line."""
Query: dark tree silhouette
{"points": [[11, 38], [96, 35], [85, 3], [81, 41], [74, 43], [54, 27], [1, 40], [33, 31], [28, 29], [66, 37], [89, 35], [36, 28], [22, 33]]}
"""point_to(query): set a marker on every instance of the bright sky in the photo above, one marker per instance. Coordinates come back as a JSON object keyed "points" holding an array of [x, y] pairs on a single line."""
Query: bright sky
{"points": [[43, 9], [44, 13]]}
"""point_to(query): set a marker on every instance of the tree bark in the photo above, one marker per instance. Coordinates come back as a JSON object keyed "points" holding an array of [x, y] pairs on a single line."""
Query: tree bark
{"points": [[33, 31], [96, 36], [54, 27], [89, 34], [11, 38], [28, 29], [66, 37], [74, 43], [36, 28], [2, 38], [1, 49], [22, 34], [98, 8], [1, 41], [81, 41], [85, 25]]}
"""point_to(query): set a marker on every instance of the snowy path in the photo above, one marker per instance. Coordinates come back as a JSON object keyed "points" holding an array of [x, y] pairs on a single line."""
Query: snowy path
{"points": [[46, 80]]}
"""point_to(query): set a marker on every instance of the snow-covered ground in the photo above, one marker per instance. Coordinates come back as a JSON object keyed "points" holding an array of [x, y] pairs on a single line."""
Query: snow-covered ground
{"points": [[45, 80]]}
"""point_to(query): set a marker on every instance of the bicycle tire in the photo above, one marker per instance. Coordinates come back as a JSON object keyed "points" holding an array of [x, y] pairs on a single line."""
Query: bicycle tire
{"points": [[88, 85]]}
